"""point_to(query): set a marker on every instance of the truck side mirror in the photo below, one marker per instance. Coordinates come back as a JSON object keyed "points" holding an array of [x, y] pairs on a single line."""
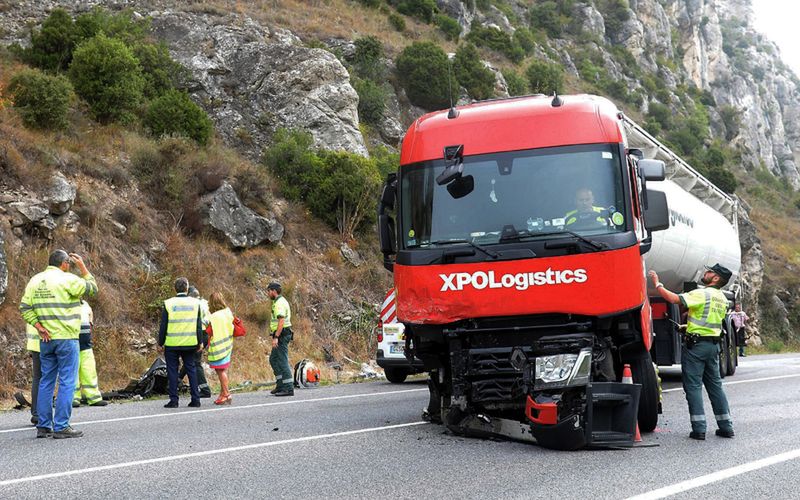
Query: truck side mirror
{"points": [[389, 192], [386, 233], [652, 170], [656, 215]]}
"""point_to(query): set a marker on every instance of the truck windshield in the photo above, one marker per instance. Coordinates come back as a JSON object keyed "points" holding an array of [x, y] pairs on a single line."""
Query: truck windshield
{"points": [[516, 195]]}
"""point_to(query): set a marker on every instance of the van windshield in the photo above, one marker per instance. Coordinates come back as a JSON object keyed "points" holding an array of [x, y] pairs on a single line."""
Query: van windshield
{"points": [[525, 194]]}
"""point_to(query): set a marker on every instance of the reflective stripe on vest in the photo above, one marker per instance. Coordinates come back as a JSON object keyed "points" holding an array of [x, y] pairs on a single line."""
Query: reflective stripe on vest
{"points": [[571, 219], [287, 319], [181, 321], [33, 338], [222, 330], [55, 297], [709, 322]]}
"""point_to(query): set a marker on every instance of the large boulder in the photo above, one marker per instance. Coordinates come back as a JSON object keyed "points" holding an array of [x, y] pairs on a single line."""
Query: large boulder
{"points": [[224, 212], [60, 194], [253, 80]]}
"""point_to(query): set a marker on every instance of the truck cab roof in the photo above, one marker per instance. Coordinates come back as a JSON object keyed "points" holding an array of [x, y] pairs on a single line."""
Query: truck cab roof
{"points": [[513, 124]]}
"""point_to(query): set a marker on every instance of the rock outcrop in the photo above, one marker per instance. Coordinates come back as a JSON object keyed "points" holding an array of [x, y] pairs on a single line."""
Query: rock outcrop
{"points": [[3, 268], [253, 80], [752, 271], [224, 212], [60, 194]]}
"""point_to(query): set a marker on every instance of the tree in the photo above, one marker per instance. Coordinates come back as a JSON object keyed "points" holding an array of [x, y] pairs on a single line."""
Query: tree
{"points": [[51, 47], [175, 113], [472, 74], [423, 70], [107, 75], [42, 100], [544, 77]]}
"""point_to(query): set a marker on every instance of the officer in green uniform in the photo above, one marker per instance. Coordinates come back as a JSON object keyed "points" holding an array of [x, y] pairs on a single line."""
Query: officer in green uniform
{"points": [[280, 327], [700, 354]]}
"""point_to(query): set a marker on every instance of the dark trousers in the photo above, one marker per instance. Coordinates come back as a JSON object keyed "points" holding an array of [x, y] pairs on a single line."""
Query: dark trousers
{"points": [[202, 383], [37, 377], [700, 367], [172, 356], [279, 361]]}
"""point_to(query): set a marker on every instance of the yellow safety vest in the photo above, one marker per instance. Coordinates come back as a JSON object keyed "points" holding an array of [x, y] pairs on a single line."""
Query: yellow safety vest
{"points": [[572, 218], [53, 298], [707, 309], [181, 321], [33, 338], [280, 308], [222, 335]]}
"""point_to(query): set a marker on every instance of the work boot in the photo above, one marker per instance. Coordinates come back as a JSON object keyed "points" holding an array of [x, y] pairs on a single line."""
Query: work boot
{"points": [[35, 420], [725, 434], [171, 404], [285, 392], [194, 404], [100, 403], [273, 391], [69, 432], [700, 436], [44, 432], [76, 404]]}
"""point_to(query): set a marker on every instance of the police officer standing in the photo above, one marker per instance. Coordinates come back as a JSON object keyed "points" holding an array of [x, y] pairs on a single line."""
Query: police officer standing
{"points": [[181, 335], [280, 327], [52, 305], [700, 355]]}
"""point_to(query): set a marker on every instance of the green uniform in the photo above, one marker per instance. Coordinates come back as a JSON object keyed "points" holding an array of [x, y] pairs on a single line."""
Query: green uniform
{"points": [[700, 363], [279, 357], [86, 385]]}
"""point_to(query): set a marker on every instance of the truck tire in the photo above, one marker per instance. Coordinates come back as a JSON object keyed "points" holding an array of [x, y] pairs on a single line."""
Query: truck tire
{"points": [[644, 373], [396, 375], [724, 354], [733, 355]]}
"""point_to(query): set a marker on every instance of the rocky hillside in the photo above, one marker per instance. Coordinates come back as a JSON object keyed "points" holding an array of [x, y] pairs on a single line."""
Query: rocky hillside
{"points": [[693, 71]]}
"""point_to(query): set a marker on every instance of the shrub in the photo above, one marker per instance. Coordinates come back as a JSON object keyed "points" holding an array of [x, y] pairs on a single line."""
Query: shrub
{"points": [[449, 26], [386, 161], [123, 214], [525, 39], [371, 100], [472, 74], [175, 113], [723, 178], [397, 22], [52, 45], [517, 85], [545, 16], [660, 114], [293, 161], [107, 75], [615, 14], [497, 40], [373, 4], [367, 58], [423, 72], [159, 71], [423, 10], [123, 25], [42, 100], [544, 77]]}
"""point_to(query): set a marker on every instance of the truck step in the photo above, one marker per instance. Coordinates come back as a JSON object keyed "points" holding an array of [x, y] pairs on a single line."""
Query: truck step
{"points": [[611, 438], [610, 399]]}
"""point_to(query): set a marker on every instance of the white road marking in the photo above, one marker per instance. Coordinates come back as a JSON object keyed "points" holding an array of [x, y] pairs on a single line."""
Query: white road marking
{"points": [[778, 377], [226, 408], [206, 453], [717, 476]]}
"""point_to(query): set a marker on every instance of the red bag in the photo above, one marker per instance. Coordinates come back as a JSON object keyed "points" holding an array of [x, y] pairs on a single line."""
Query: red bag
{"points": [[238, 328]]}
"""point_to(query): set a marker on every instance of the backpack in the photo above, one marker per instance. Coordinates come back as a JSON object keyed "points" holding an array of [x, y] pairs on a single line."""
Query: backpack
{"points": [[306, 374]]}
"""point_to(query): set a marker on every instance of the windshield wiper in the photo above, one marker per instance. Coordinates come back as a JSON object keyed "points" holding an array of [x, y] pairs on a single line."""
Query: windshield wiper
{"points": [[483, 249], [528, 234]]}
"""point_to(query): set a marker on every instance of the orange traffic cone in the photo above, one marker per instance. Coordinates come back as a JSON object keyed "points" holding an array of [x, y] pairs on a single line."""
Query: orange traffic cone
{"points": [[627, 378]]}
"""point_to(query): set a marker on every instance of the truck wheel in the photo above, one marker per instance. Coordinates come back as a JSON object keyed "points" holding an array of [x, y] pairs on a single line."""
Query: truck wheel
{"points": [[724, 354], [733, 356], [396, 375], [644, 373]]}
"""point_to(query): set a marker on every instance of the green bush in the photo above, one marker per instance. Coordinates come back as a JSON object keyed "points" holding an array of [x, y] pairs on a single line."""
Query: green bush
{"points": [[107, 75], [367, 59], [397, 22], [615, 14], [449, 26], [371, 100], [525, 39], [497, 40], [723, 178], [174, 113], [545, 16], [517, 85], [661, 114], [294, 162], [123, 25], [372, 4], [42, 100], [423, 10], [423, 72], [472, 74], [160, 72], [52, 45], [544, 77]]}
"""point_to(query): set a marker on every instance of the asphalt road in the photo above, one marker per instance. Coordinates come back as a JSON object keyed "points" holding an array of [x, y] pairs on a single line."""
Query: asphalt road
{"points": [[367, 441]]}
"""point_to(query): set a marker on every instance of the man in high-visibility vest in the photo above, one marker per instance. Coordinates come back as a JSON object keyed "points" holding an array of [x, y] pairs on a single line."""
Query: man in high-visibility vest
{"points": [[52, 305], [585, 215], [700, 354], [202, 383], [280, 327], [32, 345], [87, 371], [180, 336]]}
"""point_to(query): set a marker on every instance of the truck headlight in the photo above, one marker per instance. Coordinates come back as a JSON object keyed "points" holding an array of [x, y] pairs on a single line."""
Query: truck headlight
{"points": [[563, 370]]}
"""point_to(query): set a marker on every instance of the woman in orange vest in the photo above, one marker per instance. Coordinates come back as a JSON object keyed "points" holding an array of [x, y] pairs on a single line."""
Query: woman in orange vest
{"points": [[220, 343]]}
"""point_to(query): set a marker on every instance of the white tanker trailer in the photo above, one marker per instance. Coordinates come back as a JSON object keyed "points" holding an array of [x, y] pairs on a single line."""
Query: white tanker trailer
{"points": [[703, 231]]}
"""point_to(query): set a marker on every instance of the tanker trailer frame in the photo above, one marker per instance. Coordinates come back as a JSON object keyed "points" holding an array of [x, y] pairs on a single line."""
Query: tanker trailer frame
{"points": [[703, 231]]}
